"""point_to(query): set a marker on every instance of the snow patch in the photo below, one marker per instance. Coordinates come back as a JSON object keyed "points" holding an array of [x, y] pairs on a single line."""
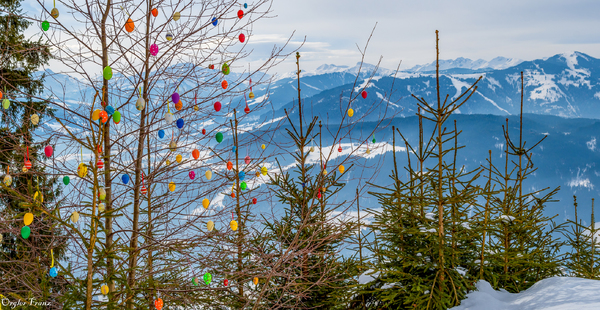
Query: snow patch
{"points": [[591, 144]]}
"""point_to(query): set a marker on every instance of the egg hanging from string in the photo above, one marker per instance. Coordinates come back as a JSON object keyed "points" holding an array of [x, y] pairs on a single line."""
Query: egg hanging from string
{"points": [[125, 178], [233, 149], [214, 21], [104, 289], [247, 160], [342, 168], [233, 225], [242, 37], [208, 174], [117, 117], [172, 186], [169, 118], [99, 164], [35, 119], [225, 282], [350, 112], [75, 217], [169, 37], [161, 133], [255, 281], [195, 153], [54, 13], [28, 218], [103, 116], [178, 158], [5, 103], [240, 14], [129, 25], [203, 131], [180, 123], [224, 84], [243, 186], [263, 146], [225, 69], [264, 170], [245, 5], [25, 232], [207, 278], [109, 110], [107, 73], [254, 201], [81, 170], [140, 104], [101, 207], [219, 137], [45, 25], [96, 115], [154, 12], [48, 150], [242, 175], [143, 190], [179, 105], [364, 94], [53, 272], [101, 193], [176, 16], [158, 303], [217, 106], [229, 165], [247, 109], [205, 203], [175, 97], [154, 49], [66, 180], [251, 95], [210, 225], [173, 146]]}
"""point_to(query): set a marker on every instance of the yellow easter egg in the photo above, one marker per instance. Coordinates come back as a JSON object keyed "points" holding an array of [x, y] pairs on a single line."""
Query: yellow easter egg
{"points": [[196, 108], [28, 219], [81, 170], [176, 16], [172, 186], [7, 180], [101, 207], [234, 225], [255, 281], [368, 151], [38, 196], [35, 119], [168, 162], [208, 174], [251, 95], [96, 115], [173, 145], [324, 171], [205, 203], [263, 146], [178, 158], [104, 289], [210, 225], [74, 217], [350, 112], [264, 170], [341, 168]]}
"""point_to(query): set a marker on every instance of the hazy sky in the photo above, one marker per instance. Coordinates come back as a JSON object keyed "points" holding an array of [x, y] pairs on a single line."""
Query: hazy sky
{"points": [[525, 29]]}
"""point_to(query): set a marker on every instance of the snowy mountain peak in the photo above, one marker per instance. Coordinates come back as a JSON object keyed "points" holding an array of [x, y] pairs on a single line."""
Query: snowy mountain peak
{"points": [[325, 68], [497, 63]]}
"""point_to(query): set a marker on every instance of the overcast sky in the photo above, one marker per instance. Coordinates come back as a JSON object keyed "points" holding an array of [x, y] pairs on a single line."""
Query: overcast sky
{"points": [[524, 29]]}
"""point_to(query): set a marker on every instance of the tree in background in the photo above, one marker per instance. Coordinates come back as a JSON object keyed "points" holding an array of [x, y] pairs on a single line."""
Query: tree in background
{"points": [[584, 259]]}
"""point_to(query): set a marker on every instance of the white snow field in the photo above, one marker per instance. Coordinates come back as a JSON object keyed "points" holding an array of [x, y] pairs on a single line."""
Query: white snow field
{"points": [[557, 293]]}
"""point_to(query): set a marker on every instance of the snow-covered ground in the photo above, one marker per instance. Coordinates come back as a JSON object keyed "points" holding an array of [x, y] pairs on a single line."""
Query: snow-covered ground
{"points": [[558, 293]]}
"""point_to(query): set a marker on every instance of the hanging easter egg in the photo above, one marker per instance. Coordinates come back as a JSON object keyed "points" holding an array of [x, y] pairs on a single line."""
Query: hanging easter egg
{"points": [[25, 169], [219, 137], [176, 16], [312, 148], [25, 232], [158, 304], [74, 217], [169, 118], [129, 26], [208, 174], [229, 165], [368, 151], [117, 117], [342, 168], [214, 21], [53, 272], [217, 106], [153, 49], [125, 178], [247, 160], [350, 112], [179, 105], [54, 12], [109, 110], [180, 123], [211, 66], [35, 119], [264, 170], [247, 109], [103, 116], [234, 225], [251, 95], [263, 146], [81, 170], [104, 289], [225, 282], [45, 25], [28, 218], [225, 68], [178, 158], [99, 164], [101, 193], [324, 171], [48, 150], [168, 162], [169, 37], [161, 133], [254, 201], [196, 108], [242, 175], [233, 149], [5, 103], [143, 190], [319, 195], [175, 97], [242, 37], [66, 180], [243, 186], [240, 14], [205, 203], [245, 5], [140, 104], [207, 278], [340, 149], [101, 207], [172, 186], [364, 94], [210, 225], [195, 153], [107, 73], [257, 174], [195, 281], [373, 140], [224, 84], [255, 281], [203, 131], [154, 12]]}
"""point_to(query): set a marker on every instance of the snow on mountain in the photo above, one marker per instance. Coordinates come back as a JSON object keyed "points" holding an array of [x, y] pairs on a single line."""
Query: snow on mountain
{"points": [[497, 63], [557, 293]]}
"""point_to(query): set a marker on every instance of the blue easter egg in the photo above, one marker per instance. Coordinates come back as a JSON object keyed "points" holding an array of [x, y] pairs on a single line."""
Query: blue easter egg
{"points": [[242, 175], [125, 178], [53, 272], [180, 123], [215, 21], [109, 110], [233, 149], [161, 133], [245, 5]]}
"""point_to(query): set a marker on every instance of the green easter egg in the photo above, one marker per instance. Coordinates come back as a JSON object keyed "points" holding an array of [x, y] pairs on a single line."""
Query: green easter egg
{"points": [[225, 69], [5, 103], [66, 180], [243, 185], [25, 232], [207, 278], [107, 73], [117, 117], [219, 137], [45, 25]]}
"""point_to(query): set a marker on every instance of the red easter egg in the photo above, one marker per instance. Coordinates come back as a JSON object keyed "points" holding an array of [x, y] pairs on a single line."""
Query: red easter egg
{"points": [[100, 164], [99, 148], [196, 153], [247, 109], [229, 165], [242, 37], [203, 131], [339, 149], [144, 190], [155, 13], [232, 195], [247, 159], [158, 304], [364, 94], [48, 151], [319, 195], [254, 201], [27, 164], [211, 66], [225, 282], [224, 84], [217, 106], [240, 13], [103, 116]]}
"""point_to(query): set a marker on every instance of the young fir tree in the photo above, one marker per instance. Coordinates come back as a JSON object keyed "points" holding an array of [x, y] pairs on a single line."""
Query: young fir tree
{"points": [[522, 245], [24, 263], [306, 240], [424, 241], [584, 258]]}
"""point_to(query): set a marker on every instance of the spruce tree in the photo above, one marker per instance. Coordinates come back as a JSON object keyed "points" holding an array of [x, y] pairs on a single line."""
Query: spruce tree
{"points": [[584, 259]]}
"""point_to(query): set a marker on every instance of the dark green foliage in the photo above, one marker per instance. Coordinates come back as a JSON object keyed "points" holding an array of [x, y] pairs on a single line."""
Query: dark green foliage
{"points": [[584, 258]]}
